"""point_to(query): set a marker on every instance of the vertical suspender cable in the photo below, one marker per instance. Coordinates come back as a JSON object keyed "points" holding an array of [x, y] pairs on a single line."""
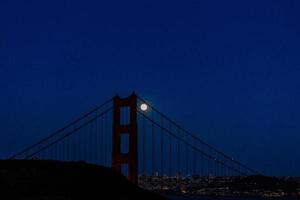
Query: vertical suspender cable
{"points": [[96, 141], [162, 153], [186, 159], [162, 148], [170, 151], [153, 145], [178, 157], [144, 146]]}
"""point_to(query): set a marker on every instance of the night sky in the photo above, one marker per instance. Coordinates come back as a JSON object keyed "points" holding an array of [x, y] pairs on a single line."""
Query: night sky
{"points": [[228, 71]]}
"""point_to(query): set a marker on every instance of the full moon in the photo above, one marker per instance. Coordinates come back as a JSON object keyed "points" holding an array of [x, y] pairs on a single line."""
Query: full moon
{"points": [[144, 107]]}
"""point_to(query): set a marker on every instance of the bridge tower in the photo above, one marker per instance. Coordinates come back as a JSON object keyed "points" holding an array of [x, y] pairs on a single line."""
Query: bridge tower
{"points": [[131, 157]]}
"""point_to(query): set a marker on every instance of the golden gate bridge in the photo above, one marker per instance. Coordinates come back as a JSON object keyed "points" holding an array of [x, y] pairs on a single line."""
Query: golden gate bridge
{"points": [[136, 139]]}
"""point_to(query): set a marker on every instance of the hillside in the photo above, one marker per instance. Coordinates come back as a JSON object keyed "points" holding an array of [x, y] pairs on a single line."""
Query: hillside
{"points": [[53, 180]]}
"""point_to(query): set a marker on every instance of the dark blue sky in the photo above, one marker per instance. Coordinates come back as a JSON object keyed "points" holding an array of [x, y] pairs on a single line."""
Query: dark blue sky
{"points": [[226, 70]]}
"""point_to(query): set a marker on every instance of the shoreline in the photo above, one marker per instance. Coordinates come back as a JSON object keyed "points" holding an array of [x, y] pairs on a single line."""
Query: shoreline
{"points": [[181, 195]]}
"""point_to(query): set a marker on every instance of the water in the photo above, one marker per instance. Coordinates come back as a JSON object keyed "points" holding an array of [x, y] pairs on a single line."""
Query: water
{"points": [[224, 198]]}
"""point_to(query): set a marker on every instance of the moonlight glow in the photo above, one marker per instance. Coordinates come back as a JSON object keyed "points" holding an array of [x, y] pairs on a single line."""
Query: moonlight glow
{"points": [[144, 107]]}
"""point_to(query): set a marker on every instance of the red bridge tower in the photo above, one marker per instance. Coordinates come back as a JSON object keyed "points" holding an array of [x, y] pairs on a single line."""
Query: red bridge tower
{"points": [[131, 158]]}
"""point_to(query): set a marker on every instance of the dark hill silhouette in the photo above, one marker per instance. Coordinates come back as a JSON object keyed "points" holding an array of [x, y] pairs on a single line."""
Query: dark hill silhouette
{"points": [[53, 180]]}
